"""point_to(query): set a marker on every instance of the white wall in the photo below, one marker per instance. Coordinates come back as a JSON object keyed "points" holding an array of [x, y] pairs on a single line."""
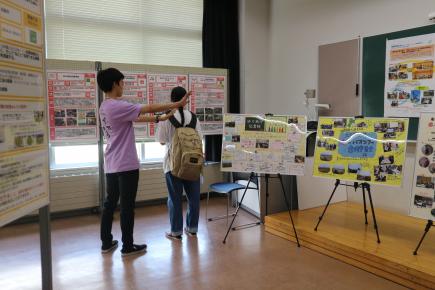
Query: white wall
{"points": [[298, 27], [254, 57]]}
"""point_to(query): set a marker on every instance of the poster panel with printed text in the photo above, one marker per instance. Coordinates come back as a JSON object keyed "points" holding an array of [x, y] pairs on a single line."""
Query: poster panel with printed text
{"points": [[409, 76], [23, 119], [159, 90], [135, 91], [72, 104], [423, 193], [260, 144], [361, 150], [208, 101]]}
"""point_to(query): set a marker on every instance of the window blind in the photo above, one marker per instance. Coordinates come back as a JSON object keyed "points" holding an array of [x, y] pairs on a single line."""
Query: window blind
{"points": [[160, 32]]}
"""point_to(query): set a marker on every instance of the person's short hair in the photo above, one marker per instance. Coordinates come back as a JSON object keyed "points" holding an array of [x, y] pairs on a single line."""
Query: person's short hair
{"points": [[107, 77], [177, 94]]}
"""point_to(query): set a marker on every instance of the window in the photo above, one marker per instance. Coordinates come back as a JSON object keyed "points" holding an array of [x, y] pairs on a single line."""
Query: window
{"points": [[79, 156], [160, 32]]}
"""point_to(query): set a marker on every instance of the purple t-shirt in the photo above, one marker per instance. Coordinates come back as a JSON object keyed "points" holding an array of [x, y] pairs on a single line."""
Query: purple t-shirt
{"points": [[117, 118]]}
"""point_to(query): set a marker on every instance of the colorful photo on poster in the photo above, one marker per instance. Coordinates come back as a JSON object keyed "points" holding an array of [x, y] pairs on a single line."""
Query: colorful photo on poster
{"points": [[423, 192], [264, 144], [409, 76], [208, 101], [72, 97], [361, 150]]}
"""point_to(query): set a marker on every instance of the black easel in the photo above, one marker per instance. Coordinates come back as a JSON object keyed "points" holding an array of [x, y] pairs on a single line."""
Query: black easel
{"points": [[426, 230], [279, 176], [364, 186], [267, 176]]}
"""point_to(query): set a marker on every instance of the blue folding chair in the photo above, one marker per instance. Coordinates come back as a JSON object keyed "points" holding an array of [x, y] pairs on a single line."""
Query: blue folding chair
{"points": [[227, 188]]}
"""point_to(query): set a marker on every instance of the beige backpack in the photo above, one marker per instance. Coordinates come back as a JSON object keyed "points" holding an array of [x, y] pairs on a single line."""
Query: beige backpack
{"points": [[185, 155]]}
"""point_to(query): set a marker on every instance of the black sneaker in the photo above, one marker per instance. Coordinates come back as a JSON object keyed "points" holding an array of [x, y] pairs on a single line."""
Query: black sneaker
{"points": [[136, 249], [171, 236], [110, 248], [189, 233]]}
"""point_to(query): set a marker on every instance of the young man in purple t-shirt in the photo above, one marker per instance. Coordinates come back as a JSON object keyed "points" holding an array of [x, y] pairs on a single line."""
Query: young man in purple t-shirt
{"points": [[121, 164]]}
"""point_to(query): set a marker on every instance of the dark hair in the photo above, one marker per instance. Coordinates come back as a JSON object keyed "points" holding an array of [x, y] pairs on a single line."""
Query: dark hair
{"points": [[177, 94], [107, 77]]}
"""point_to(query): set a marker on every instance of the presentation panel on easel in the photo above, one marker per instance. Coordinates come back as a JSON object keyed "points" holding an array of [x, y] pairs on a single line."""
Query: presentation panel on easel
{"points": [[409, 76], [208, 101], [264, 144], [423, 193], [361, 150], [159, 90], [135, 91], [72, 105], [23, 129]]}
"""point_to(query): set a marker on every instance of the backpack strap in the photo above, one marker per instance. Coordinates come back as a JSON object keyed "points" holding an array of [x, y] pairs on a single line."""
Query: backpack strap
{"points": [[175, 122], [193, 122]]}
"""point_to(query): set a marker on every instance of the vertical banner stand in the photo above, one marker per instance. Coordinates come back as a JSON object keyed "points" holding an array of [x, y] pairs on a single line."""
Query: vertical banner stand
{"points": [[426, 230], [101, 176], [45, 244], [364, 186]]}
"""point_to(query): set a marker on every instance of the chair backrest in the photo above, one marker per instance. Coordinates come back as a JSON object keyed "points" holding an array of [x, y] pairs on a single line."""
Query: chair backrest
{"points": [[243, 176]]}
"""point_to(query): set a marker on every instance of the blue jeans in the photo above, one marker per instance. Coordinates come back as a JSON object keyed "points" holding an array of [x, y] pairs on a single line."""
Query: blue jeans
{"points": [[175, 203]]}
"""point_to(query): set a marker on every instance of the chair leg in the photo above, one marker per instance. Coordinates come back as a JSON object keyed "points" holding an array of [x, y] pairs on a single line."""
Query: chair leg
{"points": [[228, 206]]}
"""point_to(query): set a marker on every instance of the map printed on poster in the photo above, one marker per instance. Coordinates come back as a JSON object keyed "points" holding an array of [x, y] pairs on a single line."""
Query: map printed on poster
{"points": [[208, 101], [260, 144], [409, 76], [72, 104], [423, 193], [23, 133], [135, 91], [159, 90], [361, 150]]}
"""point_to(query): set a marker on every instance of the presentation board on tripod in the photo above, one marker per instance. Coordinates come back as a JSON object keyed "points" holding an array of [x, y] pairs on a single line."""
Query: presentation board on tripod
{"points": [[368, 150], [264, 144], [423, 193]]}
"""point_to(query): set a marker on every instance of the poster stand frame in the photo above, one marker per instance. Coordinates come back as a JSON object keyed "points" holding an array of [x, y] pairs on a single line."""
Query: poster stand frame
{"points": [[428, 226], [364, 186], [253, 176]]}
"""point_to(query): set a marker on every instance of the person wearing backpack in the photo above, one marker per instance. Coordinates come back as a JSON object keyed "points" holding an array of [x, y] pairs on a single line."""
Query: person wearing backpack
{"points": [[182, 166]]}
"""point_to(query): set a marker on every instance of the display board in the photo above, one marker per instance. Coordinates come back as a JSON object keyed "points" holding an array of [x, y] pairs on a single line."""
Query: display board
{"points": [[159, 90], [135, 91], [373, 73], [72, 105], [208, 101], [423, 193], [23, 129], [409, 77], [260, 144], [361, 150]]}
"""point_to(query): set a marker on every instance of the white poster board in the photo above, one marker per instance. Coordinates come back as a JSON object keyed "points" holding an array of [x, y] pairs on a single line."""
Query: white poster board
{"points": [[409, 76], [23, 121], [72, 105], [159, 90], [208, 101], [135, 91], [260, 144], [423, 193]]}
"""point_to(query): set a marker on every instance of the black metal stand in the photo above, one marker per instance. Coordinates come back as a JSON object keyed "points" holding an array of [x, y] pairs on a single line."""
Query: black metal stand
{"points": [[45, 244], [426, 230], [279, 176], [364, 186], [252, 176]]}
